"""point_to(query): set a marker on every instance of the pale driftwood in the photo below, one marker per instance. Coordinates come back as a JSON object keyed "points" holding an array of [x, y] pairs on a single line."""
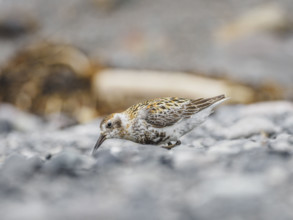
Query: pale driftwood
{"points": [[117, 89], [269, 17]]}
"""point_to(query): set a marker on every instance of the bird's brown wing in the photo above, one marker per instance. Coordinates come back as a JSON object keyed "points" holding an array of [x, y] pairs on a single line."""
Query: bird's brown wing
{"points": [[167, 111]]}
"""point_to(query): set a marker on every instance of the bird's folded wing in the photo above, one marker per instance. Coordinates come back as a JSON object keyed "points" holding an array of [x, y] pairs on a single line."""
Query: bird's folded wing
{"points": [[167, 111]]}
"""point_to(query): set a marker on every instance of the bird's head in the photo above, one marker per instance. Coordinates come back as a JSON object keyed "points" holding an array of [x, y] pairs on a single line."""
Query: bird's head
{"points": [[111, 127]]}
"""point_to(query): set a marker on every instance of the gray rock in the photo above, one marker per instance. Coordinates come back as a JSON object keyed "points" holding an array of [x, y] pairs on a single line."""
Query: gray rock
{"points": [[249, 126], [5, 126], [282, 144], [15, 174], [288, 125], [18, 168], [19, 120], [67, 163]]}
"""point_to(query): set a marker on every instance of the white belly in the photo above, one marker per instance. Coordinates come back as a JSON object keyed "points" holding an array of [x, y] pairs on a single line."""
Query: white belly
{"points": [[186, 125]]}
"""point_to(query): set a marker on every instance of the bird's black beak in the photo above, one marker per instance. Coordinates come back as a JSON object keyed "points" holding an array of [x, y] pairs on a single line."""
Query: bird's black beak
{"points": [[101, 139]]}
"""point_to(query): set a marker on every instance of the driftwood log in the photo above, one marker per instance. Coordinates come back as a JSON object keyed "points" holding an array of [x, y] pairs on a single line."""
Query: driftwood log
{"points": [[116, 90]]}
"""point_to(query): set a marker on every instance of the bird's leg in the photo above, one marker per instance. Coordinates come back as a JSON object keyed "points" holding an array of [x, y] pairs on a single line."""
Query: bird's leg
{"points": [[170, 145]]}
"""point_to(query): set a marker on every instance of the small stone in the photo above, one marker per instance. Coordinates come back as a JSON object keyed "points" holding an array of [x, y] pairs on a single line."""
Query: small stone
{"points": [[53, 151], [48, 156], [208, 142], [276, 175], [36, 162], [16, 25], [227, 147], [18, 168], [65, 163], [267, 109], [18, 120], [249, 145], [288, 124], [235, 186], [281, 144], [249, 126], [106, 158], [166, 161], [190, 159], [6, 126]]}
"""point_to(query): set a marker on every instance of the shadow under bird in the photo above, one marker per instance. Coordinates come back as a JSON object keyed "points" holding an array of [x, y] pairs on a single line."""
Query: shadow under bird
{"points": [[159, 121]]}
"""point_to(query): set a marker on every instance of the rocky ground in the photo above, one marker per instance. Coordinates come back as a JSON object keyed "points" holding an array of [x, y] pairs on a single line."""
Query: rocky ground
{"points": [[237, 165]]}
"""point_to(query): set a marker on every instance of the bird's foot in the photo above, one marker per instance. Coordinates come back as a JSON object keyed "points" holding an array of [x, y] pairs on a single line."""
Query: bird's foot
{"points": [[170, 145]]}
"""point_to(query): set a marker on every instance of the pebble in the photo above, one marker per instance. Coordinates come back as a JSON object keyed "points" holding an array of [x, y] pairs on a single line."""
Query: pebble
{"points": [[5, 126], [249, 126], [65, 163]]}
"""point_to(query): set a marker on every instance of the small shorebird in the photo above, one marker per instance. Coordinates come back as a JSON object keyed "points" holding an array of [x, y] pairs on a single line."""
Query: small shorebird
{"points": [[159, 121]]}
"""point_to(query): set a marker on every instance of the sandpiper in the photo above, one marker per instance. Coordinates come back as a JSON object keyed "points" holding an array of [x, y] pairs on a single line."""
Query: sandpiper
{"points": [[160, 121]]}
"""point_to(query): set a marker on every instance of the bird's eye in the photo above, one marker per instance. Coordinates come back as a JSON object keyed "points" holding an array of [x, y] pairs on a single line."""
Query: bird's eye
{"points": [[109, 125]]}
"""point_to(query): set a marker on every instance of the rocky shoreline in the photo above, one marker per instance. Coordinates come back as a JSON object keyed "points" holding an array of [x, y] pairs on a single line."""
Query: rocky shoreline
{"points": [[237, 165]]}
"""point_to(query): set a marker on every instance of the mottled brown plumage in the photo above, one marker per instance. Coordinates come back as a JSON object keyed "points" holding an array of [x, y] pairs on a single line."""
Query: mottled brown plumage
{"points": [[158, 121], [167, 111]]}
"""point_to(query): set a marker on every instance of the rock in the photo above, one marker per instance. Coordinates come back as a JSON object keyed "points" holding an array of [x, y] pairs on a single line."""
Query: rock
{"points": [[246, 127], [270, 109], [67, 163], [231, 147], [288, 125], [59, 121], [189, 159], [16, 25], [282, 144], [276, 175], [5, 126], [236, 186], [106, 158], [19, 169], [14, 119]]}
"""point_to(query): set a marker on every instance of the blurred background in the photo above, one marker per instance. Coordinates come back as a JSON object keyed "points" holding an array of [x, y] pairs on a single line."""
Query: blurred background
{"points": [[85, 58], [67, 62]]}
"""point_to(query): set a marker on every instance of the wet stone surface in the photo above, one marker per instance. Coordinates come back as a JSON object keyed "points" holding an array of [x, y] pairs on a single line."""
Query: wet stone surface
{"points": [[237, 165]]}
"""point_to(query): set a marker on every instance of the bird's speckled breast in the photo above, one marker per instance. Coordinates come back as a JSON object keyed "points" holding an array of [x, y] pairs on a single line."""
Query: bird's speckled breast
{"points": [[146, 134]]}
